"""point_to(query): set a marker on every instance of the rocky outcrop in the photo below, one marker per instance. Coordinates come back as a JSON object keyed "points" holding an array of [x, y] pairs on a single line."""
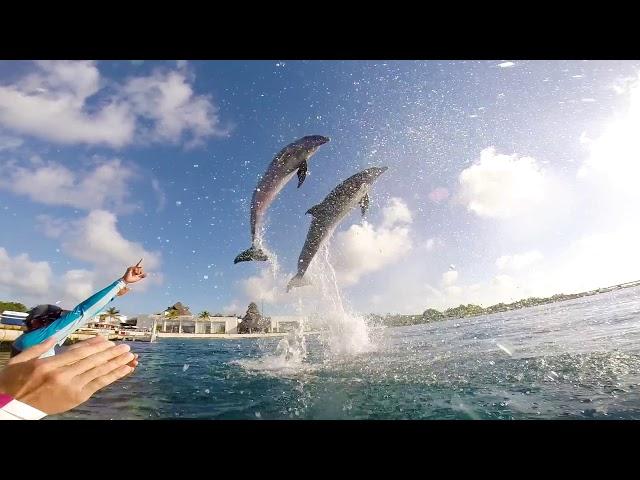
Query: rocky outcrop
{"points": [[253, 321], [179, 309]]}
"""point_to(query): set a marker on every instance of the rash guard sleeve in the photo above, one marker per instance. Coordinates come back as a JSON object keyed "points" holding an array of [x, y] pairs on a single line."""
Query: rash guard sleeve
{"points": [[70, 322]]}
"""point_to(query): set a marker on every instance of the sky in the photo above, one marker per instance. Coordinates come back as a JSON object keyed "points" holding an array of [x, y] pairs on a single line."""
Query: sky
{"points": [[507, 179]]}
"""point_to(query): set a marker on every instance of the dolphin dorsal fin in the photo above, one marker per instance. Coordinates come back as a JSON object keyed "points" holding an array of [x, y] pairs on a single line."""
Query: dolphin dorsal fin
{"points": [[315, 210]]}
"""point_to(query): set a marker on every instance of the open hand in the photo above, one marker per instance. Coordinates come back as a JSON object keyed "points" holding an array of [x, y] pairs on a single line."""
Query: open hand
{"points": [[62, 382]]}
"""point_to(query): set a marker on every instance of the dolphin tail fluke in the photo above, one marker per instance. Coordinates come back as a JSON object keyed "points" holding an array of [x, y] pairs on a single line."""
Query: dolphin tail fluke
{"points": [[297, 281], [253, 253]]}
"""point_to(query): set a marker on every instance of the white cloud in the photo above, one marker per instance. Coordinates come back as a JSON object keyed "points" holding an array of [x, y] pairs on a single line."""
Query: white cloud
{"points": [[452, 292], [506, 65], [9, 143], [169, 101], [268, 286], [33, 282], [599, 259], [69, 102], [502, 186], [76, 285], [449, 278], [433, 243], [366, 248], [51, 227], [94, 239], [55, 184], [97, 240], [395, 212], [622, 85], [234, 308], [613, 160], [263, 287], [518, 261], [160, 195], [51, 104], [22, 278]]}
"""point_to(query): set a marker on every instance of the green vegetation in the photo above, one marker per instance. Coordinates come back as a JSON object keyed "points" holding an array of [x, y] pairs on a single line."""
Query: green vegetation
{"points": [[12, 306], [469, 310], [204, 314]]}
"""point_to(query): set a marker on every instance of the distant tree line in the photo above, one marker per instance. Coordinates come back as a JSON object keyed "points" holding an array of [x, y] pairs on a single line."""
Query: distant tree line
{"points": [[12, 306], [469, 310]]}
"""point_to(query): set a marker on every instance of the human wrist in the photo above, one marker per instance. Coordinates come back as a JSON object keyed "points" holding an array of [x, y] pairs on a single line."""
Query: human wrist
{"points": [[12, 409], [4, 398]]}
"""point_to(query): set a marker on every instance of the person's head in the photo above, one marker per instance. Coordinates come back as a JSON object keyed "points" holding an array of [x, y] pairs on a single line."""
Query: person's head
{"points": [[43, 315]]}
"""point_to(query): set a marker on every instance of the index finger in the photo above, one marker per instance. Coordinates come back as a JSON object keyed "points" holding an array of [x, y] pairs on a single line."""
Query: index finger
{"points": [[98, 359], [33, 352], [72, 356], [84, 343]]}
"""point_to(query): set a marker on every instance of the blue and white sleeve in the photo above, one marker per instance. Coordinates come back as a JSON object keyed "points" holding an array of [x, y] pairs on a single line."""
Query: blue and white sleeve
{"points": [[76, 318]]}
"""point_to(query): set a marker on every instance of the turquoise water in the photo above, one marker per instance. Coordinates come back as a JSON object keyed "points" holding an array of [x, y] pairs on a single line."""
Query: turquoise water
{"points": [[576, 359]]}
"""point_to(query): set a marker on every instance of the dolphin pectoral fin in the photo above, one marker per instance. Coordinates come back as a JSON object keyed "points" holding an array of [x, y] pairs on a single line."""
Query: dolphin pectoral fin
{"points": [[314, 210], [297, 281], [364, 203], [302, 173], [252, 253]]}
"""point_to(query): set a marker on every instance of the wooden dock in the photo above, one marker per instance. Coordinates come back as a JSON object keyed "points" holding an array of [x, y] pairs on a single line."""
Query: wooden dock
{"points": [[9, 333]]}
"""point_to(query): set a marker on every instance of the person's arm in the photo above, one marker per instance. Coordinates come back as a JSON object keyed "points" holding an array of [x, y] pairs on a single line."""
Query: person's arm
{"points": [[68, 323], [79, 316]]}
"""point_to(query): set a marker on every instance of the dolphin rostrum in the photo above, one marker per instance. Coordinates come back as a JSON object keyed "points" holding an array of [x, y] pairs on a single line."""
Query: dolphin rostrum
{"points": [[330, 212], [291, 158]]}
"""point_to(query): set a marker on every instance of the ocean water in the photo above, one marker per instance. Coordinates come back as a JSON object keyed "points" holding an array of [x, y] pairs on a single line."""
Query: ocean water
{"points": [[577, 360]]}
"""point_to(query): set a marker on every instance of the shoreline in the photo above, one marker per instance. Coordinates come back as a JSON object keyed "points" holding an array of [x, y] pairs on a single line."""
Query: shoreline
{"points": [[471, 310], [228, 336]]}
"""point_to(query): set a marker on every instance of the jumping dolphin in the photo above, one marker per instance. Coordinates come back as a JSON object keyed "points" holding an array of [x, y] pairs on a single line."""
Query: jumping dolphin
{"points": [[330, 212], [291, 158]]}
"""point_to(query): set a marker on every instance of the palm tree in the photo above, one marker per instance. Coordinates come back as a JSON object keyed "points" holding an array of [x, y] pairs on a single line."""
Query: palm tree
{"points": [[112, 312], [204, 314], [173, 314]]}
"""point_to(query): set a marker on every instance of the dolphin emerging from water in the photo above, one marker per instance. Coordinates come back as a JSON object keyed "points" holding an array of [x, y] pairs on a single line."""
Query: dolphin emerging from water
{"points": [[291, 158], [330, 212]]}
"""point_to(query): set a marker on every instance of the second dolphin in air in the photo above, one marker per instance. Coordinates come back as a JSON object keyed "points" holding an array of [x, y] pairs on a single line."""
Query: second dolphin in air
{"points": [[291, 158], [330, 212]]}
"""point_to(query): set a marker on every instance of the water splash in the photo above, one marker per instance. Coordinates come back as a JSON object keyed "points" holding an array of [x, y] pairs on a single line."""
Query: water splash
{"points": [[289, 356], [344, 332], [319, 307]]}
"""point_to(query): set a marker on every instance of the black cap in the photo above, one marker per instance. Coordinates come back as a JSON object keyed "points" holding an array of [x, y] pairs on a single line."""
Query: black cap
{"points": [[45, 313]]}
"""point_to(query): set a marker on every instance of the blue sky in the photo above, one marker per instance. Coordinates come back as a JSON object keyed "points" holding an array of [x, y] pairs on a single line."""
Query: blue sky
{"points": [[501, 182]]}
